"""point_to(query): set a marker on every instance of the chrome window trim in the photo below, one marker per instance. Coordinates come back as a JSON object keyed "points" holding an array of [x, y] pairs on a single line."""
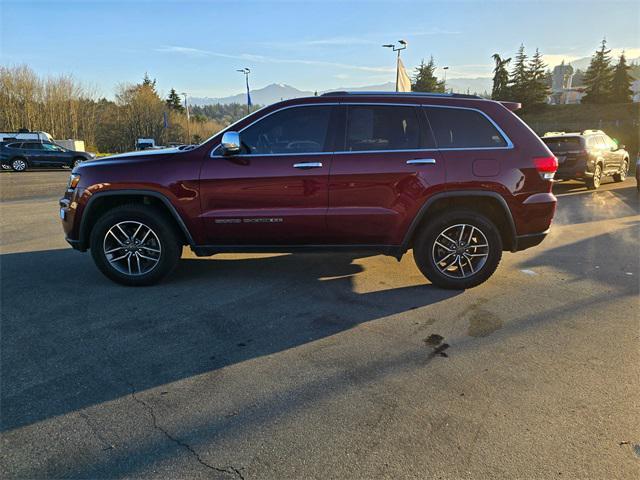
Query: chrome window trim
{"points": [[505, 137]]}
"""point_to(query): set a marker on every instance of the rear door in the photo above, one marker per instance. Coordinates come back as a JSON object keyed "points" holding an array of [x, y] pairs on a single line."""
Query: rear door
{"points": [[276, 190], [382, 171], [476, 151], [34, 153]]}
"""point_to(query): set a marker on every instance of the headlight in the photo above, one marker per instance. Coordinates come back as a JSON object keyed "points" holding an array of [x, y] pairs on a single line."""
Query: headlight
{"points": [[74, 179]]}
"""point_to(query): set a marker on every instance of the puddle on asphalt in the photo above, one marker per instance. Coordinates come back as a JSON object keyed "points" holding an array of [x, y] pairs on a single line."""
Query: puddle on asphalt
{"points": [[482, 322]]}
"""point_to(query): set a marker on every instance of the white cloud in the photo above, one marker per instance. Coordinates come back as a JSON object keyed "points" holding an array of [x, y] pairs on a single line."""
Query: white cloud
{"points": [[196, 52]]}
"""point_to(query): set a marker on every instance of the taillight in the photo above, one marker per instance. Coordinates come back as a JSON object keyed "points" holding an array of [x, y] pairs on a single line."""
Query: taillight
{"points": [[546, 166]]}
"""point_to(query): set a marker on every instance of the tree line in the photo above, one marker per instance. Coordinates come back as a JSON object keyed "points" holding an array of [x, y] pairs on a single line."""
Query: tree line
{"points": [[529, 81], [65, 108]]}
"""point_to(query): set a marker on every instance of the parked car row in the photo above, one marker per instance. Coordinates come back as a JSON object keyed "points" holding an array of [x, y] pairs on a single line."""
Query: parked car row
{"points": [[22, 155]]}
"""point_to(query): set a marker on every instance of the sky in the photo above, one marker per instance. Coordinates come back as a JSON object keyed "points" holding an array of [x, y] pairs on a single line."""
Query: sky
{"points": [[197, 46]]}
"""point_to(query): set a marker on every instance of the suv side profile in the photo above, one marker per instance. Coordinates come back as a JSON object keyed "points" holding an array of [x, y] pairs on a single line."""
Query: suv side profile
{"points": [[588, 156], [456, 178], [23, 155]]}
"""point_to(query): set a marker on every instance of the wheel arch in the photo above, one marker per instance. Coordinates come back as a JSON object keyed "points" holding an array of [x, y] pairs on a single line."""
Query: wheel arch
{"points": [[102, 202], [490, 204]]}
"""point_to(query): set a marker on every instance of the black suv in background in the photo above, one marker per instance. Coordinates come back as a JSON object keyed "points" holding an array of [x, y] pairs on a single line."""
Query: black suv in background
{"points": [[588, 156], [23, 155]]}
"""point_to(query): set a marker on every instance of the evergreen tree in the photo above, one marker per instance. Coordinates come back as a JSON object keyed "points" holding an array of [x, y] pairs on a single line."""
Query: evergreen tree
{"points": [[148, 83], [424, 79], [598, 76], [621, 82], [518, 82], [537, 89], [500, 90], [173, 101]]}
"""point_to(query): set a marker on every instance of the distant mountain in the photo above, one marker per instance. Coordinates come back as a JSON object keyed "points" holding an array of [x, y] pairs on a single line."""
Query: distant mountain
{"points": [[279, 91], [261, 96]]}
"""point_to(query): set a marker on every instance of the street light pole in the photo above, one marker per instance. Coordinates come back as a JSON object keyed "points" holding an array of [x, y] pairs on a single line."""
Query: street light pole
{"points": [[186, 107], [246, 73], [445, 78], [403, 44]]}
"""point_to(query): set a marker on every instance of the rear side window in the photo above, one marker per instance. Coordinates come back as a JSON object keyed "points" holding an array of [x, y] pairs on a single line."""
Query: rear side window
{"points": [[385, 127], [32, 146], [461, 128], [289, 131], [14, 145]]}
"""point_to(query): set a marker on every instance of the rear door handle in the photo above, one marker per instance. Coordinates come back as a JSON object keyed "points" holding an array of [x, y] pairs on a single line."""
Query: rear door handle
{"points": [[308, 165], [422, 161]]}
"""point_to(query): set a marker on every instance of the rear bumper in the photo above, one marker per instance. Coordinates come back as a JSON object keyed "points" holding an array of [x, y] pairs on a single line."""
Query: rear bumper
{"points": [[522, 242]]}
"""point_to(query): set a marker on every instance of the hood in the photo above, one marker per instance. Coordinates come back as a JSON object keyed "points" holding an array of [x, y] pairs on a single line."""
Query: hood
{"points": [[145, 153]]}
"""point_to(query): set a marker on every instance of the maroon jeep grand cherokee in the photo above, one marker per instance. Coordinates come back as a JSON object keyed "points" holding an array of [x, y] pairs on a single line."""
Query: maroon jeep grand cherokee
{"points": [[455, 177]]}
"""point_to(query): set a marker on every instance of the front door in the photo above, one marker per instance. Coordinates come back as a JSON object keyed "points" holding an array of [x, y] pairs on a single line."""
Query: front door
{"points": [[381, 174], [274, 192]]}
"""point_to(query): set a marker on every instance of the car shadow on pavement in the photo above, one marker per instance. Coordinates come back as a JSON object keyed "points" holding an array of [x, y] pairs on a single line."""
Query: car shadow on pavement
{"points": [[72, 339]]}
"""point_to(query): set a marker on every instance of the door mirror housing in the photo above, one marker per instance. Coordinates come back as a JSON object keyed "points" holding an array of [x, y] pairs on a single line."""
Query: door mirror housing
{"points": [[230, 144]]}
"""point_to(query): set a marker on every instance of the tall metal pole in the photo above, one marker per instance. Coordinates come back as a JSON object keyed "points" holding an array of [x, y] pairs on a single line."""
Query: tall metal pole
{"points": [[403, 44], [445, 78], [186, 107], [246, 72]]}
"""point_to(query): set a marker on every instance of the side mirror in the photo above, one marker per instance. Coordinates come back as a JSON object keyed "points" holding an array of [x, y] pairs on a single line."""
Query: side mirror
{"points": [[230, 144]]}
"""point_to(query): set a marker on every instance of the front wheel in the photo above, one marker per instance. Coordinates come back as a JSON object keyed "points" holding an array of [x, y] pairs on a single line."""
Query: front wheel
{"points": [[458, 249], [135, 245], [622, 174]]}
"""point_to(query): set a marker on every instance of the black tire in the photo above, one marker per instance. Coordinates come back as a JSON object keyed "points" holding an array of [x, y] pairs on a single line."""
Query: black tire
{"points": [[423, 248], [622, 174], [19, 164], [593, 183], [167, 243]]}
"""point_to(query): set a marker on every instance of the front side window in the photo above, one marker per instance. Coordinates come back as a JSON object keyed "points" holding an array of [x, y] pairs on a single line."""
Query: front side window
{"points": [[289, 131], [384, 127], [462, 128], [50, 147]]}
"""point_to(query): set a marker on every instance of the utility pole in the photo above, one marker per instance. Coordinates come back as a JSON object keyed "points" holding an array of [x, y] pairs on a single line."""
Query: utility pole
{"points": [[403, 44], [186, 107], [445, 78], [246, 73]]}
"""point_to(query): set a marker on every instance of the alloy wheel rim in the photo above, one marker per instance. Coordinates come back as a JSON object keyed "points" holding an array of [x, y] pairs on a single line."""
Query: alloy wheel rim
{"points": [[460, 251], [19, 165], [132, 248], [625, 169], [596, 176]]}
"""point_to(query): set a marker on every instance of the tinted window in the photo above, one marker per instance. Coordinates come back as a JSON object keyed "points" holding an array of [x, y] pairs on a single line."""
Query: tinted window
{"points": [[32, 146], [293, 130], [563, 144], [51, 147], [15, 145], [458, 128], [382, 128]]}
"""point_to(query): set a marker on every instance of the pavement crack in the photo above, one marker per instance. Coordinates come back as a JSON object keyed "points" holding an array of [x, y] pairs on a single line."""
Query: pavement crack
{"points": [[230, 470]]}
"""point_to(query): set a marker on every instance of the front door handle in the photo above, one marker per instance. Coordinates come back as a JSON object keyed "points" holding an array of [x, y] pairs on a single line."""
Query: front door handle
{"points": [[308, 165], [422, 161]]}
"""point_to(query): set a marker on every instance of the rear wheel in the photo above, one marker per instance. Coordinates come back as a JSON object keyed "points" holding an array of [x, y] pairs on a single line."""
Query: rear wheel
{"points": [[594, 182], [135, 245], [622, 174], [19, 164], [458, 249]]}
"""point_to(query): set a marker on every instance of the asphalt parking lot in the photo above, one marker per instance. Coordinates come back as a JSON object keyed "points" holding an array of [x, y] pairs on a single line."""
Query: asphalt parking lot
{"points": [[322, 366]]}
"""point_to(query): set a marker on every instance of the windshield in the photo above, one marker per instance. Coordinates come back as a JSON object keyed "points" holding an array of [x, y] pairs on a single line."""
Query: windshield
{"points": [[563, 144]]}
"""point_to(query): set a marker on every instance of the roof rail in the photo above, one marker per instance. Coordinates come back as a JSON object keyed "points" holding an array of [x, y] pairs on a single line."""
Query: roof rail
{"points": [[591, 131], [340, 93]]}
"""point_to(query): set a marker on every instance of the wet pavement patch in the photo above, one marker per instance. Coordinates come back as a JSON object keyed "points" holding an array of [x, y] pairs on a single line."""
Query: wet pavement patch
{"points": [[435, 341], [482, 322]]}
